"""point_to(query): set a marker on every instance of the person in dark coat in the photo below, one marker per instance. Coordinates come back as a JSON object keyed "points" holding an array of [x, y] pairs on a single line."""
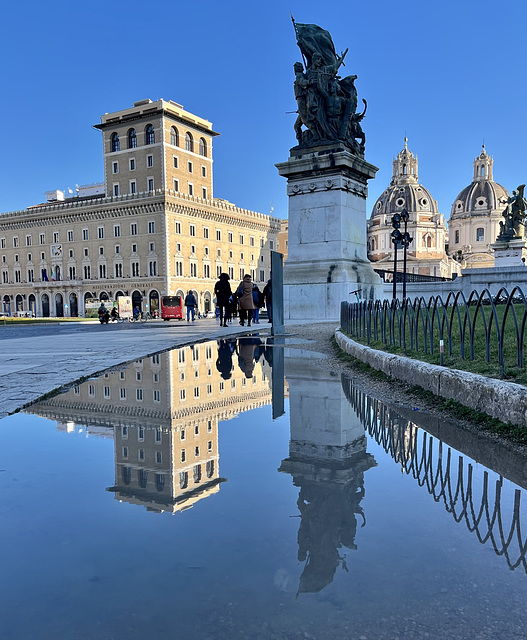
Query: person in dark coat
{"points": [[268, 295], [257, 294], [191, 304], [224, 361], [223, 292]]}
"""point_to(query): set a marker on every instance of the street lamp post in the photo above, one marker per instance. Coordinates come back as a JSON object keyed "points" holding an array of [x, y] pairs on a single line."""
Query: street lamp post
{"points": [[403, 240]]}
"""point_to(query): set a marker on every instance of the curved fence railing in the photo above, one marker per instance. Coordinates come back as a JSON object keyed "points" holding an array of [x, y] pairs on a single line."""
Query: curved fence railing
{"points": [[481, 327], [494, 515]]}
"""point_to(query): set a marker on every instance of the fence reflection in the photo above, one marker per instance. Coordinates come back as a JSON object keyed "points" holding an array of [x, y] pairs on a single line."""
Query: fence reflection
{"points": [[487, 509]]}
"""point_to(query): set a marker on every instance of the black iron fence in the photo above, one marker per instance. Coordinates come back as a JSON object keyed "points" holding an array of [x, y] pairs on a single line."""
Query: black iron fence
{"points": [[489, 506], [482, 327]]}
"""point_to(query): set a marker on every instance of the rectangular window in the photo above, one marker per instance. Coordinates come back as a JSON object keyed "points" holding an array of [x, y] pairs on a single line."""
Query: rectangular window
{"points": [[152, 246], [100, 232], [115, 189], [106, 392], [55, 236], [85, 234], [125, 452], [190, 167], [29, 240], [271, 245], [176, 185], [15, 241], [150, 184], [204, 193], [132, 164], [206, 270], [190, 189], [229, 236], [177, 227], [115, 167], [159, 457], [241, 238], [175, 162], [149, 161], [152, 267], [231, 272], [196, 451], [139, 395], [261, 242], [151, 227], [262, 276], [134, 248], [251, 241], [183, 456], [157, 396], [122, 393], [193, 270], [133, 229], [179, 268], [41, 239], [70, 236], [116, 231], [205, 232], [242, 273], [203, 171], [192, 230], [135, 269], [133, 187]]}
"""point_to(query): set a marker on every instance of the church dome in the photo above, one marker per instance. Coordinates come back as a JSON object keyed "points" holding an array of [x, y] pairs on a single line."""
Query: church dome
{"points": [[483, 194], [404, 190]]}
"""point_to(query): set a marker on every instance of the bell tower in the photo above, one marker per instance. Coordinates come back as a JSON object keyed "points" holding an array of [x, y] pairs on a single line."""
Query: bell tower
{"points": [[405, 167], [483, 166]]}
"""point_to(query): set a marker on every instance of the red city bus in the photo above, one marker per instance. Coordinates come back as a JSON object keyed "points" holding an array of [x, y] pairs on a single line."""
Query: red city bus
{"points": [[172, 307]]}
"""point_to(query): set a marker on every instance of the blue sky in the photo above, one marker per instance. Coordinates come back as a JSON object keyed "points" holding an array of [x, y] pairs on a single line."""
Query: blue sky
{"points": [[449, 75]]}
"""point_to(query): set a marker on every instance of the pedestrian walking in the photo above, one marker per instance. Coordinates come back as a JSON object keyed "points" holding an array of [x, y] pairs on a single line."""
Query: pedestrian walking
{"points": [[223, 292], [257, 300], [245, 299], [191, 304], [268, 295]]}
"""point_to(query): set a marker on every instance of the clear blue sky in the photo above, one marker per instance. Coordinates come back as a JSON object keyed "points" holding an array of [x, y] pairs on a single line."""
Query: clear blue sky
{"points": [[448, 75]]}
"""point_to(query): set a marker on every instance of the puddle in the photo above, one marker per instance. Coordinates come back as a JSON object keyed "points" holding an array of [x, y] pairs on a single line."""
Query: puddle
{"points": [[163, 500]]}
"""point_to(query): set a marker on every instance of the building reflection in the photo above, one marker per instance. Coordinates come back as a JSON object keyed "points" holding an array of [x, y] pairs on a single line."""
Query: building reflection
{"points": [[327, 459], [163, 414]]}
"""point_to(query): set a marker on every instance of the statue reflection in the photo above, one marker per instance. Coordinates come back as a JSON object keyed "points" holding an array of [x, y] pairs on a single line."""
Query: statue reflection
{"points": [[327, 459]]}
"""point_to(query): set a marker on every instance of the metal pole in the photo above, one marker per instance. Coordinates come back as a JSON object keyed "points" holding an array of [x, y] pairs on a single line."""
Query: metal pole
{"points": [[405, 246], [395, 271]]}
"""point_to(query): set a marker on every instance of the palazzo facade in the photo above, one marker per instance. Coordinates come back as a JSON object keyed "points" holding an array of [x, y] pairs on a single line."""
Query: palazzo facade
{"points": [[153, 229]]}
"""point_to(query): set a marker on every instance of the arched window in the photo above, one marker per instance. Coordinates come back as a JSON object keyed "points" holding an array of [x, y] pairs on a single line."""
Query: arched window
{"points": [[132, 139], [150, 137], [202, 147], [404, 169], [174, 137], [429, 242], [183, 479], [456, 237], [143, 478], [115, 142], [482, 171], [189, 142], [480, 234]]}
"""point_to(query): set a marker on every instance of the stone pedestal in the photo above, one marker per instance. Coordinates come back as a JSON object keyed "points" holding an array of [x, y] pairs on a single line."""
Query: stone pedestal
{"points": [[509, 253], [327, 189]]}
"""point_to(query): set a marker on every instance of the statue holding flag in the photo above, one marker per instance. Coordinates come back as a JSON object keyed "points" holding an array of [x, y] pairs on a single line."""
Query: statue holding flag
{"points": [[327, 103]]}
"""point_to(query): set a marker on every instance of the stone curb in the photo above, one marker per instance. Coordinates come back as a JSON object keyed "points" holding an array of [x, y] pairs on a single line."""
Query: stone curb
{"points": [[506, 401]]}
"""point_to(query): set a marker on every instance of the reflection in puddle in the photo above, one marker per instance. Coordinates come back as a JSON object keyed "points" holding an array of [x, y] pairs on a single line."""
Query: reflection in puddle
{"points": [[322, 518]]}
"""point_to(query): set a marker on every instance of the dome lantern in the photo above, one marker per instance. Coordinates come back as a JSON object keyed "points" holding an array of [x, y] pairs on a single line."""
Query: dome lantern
{"points": [[483, 166]]}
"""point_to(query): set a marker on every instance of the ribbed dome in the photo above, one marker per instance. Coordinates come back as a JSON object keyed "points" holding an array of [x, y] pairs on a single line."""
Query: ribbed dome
{"points": [[414, 197], [483, 194], [480, 195]]}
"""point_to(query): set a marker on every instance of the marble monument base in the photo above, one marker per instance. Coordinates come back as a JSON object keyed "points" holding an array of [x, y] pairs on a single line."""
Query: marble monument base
{"points": [[510, 253], [327, 257]]}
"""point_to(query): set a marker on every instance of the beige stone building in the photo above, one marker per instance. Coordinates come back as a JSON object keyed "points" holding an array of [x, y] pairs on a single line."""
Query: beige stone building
{"points": [[475, 217], [154, 228], [427, 253], [283, 235], [163, 413]]}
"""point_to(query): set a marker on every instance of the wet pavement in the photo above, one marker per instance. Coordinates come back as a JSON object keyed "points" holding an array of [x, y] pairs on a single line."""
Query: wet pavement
{"points": [[237, 489]]}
